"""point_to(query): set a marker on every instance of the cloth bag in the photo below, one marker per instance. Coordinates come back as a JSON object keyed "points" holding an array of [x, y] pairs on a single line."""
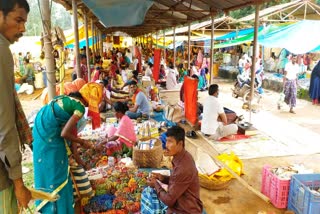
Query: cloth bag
{"points": [[174, 113]]}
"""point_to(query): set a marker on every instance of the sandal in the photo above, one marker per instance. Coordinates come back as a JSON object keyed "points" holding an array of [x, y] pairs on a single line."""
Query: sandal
{"points": [[191, 134]]}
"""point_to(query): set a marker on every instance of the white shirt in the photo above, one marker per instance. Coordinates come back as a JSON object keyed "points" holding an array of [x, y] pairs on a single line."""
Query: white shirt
{"points": [[211, 110], [242, 62], [292, 71], [171, 79]]}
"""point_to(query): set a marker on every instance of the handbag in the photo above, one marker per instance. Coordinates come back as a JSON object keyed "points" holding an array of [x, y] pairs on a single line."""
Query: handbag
{"points": [[81, 184], [174, 113]]}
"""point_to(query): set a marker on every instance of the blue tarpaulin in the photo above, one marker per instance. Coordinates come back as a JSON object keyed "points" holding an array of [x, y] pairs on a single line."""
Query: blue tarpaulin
{"points": [[119, 13]]}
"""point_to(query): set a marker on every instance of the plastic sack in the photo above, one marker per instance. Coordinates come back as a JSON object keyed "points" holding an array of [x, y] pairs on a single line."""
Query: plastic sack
{"points": [[233, 162]]}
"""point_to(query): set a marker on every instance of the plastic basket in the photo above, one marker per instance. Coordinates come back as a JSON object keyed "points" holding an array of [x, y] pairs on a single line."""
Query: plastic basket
{"points": [[301, 199], [274, 188]]}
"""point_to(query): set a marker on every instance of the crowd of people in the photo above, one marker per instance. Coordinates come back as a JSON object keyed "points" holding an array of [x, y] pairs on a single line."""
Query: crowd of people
{"points": [[120, 83]]}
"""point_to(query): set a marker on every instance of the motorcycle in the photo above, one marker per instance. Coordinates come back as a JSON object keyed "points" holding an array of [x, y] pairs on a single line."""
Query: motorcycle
{"points": [[242, 89]]}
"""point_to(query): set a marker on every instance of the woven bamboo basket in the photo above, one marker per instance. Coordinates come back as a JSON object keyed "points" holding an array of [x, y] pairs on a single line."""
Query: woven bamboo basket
{"points": [[213, 185], [148, 158]]}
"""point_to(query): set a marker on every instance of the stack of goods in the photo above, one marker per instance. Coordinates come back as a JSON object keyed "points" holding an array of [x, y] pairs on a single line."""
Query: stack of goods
{"points": [[89, 134], [148, 130], [276, 182], [118, 191], [147, 145]]}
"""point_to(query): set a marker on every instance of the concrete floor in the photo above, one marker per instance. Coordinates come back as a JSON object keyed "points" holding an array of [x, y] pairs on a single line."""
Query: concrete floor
{"points": [[236, 198]]}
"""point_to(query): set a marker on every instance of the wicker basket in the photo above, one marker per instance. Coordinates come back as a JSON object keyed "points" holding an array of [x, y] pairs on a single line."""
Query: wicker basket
{"points": [[148, 158], [213, 185]]}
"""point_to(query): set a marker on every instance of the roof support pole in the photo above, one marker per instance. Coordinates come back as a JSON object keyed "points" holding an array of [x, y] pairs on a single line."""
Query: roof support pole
{"points": [[255, 54], [49, 60], [92, 38], [87, 43], [211, 50], [164, 47], [189, 46], [101, 43], [76, 37], [174, 47]]}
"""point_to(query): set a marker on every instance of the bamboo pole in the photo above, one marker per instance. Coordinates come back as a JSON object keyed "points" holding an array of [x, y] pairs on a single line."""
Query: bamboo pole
{"points": [[255, 54], [174, 47], [210, 150], [76, 37]]}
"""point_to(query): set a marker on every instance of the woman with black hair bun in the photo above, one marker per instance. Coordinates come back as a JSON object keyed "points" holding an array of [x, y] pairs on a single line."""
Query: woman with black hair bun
{"points": [[120, 140]]}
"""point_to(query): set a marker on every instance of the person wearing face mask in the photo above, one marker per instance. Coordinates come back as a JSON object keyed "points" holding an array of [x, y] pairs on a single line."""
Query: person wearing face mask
{"points": [[13, 125], [212, 111], [290, 82]]}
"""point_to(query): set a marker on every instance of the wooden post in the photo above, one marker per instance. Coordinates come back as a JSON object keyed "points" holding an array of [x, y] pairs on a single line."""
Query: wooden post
{"points": [[164, 47], [87, 43], [174, 47], [76, 37], [255, 54], [211, 49], [189, 48], [101, 43], [49, 60], [92, 38], [156, 39]]}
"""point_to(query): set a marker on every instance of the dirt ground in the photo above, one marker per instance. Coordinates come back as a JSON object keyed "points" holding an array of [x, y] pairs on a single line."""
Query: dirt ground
{"points": [[237, 198]]}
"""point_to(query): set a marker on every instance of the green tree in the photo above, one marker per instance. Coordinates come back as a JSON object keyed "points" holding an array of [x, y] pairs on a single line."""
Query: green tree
{"points": [[59, 17]]}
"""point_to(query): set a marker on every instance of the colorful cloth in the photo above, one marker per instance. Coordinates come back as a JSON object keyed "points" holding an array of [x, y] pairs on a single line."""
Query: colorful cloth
{"points": [[290, 91], [126, 132], [8, 201], [24, 131], [150, 204], [50, 157]]}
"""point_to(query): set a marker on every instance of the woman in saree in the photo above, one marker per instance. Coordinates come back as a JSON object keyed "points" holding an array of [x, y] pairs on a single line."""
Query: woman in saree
{"points": [[55, 124], [120, 140], [314, 89]]}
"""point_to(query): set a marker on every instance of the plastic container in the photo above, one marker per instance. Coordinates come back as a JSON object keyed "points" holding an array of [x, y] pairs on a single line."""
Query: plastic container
{"points": [[302, 200], [275, 188]]}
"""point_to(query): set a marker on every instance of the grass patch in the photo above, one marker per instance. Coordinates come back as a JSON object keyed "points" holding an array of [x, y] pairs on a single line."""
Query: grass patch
{"points": [[28, 179]]}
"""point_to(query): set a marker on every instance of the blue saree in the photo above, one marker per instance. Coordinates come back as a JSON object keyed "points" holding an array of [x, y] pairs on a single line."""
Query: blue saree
{"points": [[50, 156]]}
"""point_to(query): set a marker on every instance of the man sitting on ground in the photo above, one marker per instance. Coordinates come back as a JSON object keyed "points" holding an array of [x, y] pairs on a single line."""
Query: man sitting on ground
{"points": [[183, 193], [212, 110], [140, 105]]}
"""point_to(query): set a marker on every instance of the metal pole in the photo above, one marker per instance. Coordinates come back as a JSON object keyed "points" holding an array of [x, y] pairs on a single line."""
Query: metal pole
{"points": [[189, 48], [50, 66], [87, 43], [76, 37], [255, 46], [211, 49], [174, 46]]}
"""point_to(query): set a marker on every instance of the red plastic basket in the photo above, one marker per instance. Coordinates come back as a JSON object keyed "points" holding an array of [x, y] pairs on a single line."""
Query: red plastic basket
{"points": [[274, 188]]}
